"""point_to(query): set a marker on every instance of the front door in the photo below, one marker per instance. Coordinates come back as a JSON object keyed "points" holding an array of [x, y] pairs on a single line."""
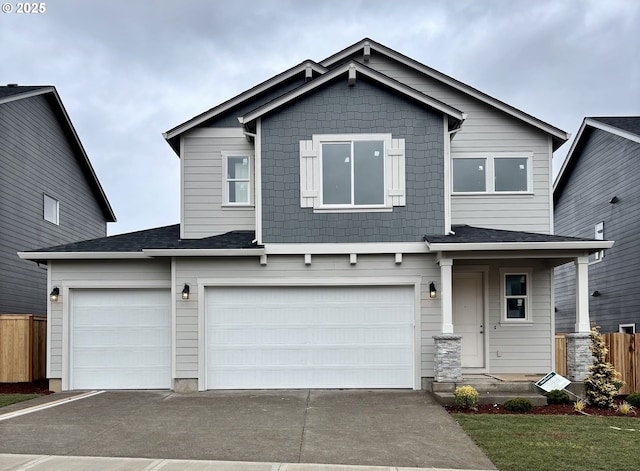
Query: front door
{"points": [[468, 317]]}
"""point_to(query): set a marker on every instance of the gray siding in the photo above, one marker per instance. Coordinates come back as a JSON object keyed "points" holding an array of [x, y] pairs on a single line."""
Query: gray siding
{"points": [[203, 211], [607, 166], [487, 129], [340, 109], [36, 158]]}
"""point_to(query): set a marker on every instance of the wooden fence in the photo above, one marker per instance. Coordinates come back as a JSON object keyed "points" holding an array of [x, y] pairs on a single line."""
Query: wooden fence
{"points": [[624, 355], [23, 348]]}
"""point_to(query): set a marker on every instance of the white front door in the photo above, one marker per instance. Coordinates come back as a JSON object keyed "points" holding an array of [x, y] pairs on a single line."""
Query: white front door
{"points": [[468, 317]]}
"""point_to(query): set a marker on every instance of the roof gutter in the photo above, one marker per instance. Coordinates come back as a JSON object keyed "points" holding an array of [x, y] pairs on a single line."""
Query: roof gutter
{"points": [[592, 246]]}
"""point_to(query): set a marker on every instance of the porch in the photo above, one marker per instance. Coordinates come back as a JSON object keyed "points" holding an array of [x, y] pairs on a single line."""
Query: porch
{"points": [[496, 389], [497, 309]]}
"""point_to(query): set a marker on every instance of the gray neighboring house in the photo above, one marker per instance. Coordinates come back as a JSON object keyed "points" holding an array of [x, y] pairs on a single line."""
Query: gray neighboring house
{"points": [[597, 194], [360, 222], [49, 192]]}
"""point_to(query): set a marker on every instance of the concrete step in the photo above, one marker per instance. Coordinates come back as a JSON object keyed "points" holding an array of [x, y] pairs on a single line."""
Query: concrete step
{"points": [[447, 398], [512, 387]]}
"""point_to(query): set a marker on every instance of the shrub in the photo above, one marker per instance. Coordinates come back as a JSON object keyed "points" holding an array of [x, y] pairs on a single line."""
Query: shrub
{"points": [[625, 408], [558, 396], [579, 405], [466, 397], [603, 381], [519, 404], [634, 399]]}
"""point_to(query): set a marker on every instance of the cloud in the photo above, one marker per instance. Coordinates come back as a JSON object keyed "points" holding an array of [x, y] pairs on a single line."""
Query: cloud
{"points": [[129, 70]]}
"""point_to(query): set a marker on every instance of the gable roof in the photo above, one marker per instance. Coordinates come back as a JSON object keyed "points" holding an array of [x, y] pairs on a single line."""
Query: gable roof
{"points": [[13, 92], [464, 238], [627, 127], [172, 136], [367, 45], [353, 69], [143, 244]]}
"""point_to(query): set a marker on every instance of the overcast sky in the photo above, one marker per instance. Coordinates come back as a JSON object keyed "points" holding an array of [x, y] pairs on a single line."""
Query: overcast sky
{"points": [[129, 70]]}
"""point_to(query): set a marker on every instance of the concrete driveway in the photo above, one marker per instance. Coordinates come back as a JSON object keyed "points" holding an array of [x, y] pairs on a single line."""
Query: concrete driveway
{"points": [[356, 427]]}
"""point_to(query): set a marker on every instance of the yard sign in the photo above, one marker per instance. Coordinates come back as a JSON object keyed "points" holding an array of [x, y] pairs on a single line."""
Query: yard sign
{"points": [[553, 381]]}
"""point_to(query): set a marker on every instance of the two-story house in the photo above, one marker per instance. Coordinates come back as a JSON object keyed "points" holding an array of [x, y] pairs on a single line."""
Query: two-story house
{"points": [[49, 192], [596, 195], [360, 222]]}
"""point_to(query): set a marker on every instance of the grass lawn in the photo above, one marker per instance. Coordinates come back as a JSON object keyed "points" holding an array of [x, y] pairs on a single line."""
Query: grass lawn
{"points": [[554, 442], [7, 399]]}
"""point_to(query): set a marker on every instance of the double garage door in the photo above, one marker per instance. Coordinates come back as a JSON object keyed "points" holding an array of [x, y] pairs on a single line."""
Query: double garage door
{"points": [[309, 337], [254, 338]]}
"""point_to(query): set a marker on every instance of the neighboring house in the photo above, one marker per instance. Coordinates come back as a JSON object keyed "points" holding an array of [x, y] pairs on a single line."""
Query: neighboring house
{"points": [[360, 222], [49, 193], [596, 194]]}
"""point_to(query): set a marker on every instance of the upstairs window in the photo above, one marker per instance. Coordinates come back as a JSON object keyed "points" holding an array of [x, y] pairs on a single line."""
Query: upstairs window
{"points": [[352, 172], [51, 210], [516, 292], [237, 179], [496, 173]]}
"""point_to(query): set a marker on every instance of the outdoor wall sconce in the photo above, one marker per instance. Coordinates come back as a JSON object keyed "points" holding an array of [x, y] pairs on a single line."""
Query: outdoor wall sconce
{"points": [[55, 292], [614, 200], [595, 294], [185, 291], [432, 290]]}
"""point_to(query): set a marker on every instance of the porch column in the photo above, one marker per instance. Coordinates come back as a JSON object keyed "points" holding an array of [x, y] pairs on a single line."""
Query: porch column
{"points": [[446, 295], [579, 356], [582, 295], [448, 358]]}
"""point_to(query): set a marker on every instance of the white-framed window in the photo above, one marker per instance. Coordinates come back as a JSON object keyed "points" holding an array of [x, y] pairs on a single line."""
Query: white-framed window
{"points": [[598, 235], [627, 328], [352, 172], [237, 178], [516, 295], [51, 209], [481, 173]]}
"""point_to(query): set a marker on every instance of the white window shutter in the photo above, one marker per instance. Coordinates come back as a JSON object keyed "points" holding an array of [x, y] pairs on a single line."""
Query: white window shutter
{"points": [[396, 193], [309, 174]]}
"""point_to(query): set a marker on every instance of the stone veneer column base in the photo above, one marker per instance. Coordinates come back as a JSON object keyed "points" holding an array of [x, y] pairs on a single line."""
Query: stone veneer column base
{"points": [[448, 358], [579, 356], [181, 385], [55, 384]]}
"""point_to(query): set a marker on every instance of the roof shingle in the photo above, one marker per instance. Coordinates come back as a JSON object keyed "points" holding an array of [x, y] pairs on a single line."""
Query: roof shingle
{"points": [[167, 237]]}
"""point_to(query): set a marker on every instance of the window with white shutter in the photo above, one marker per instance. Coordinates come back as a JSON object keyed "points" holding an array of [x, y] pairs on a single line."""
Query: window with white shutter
{"points": [[354, 172]]}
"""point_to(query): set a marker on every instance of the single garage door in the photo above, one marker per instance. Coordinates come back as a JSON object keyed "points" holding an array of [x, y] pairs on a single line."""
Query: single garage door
{"points": [[120, 339], [310, 337]]}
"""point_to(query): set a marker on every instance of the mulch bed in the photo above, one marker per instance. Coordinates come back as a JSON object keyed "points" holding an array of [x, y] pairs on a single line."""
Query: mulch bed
{"points": [[551, 409], [36, 387]]}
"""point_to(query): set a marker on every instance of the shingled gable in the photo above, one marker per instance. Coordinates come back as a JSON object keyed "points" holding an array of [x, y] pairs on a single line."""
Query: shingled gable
{"points": [[353, 70], [464, 237], [14, 92], [368, 47], [305, 67], [147, 243], [627, 127]]}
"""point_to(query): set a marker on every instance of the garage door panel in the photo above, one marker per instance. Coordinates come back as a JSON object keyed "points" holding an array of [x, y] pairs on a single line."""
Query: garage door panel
{"points": [[110, 336], [309, 337], [121, 339]]}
